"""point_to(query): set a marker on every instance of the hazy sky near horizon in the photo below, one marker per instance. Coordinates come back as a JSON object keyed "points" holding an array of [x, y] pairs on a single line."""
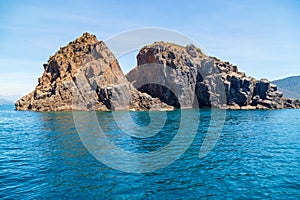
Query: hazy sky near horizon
{"points": [[261, 37]]}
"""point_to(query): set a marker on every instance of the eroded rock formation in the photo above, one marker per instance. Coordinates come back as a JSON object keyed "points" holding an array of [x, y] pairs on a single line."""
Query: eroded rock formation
{"points": [[85, 75], [184, 77]]}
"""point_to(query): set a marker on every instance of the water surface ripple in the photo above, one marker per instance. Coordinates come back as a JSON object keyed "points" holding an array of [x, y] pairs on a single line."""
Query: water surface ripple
{"points": [[256, 157]]}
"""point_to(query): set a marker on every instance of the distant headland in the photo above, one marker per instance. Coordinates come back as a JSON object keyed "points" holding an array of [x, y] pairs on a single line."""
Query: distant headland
{"points": [[290, 86], [85, 75], [6, 102]]}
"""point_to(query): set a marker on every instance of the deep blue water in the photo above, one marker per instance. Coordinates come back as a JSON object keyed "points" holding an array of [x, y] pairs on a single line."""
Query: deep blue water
{"points": [[256, 156]]}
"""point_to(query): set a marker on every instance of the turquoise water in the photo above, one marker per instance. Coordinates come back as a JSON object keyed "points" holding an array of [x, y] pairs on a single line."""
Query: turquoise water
{"points": [[257, 156]]}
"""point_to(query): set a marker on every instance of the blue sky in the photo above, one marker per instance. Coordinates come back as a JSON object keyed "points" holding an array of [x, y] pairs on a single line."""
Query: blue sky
{"points": [[261, 37]]}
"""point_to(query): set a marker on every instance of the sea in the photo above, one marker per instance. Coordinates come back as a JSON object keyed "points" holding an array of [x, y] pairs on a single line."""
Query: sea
{"points": [[181, 154]]}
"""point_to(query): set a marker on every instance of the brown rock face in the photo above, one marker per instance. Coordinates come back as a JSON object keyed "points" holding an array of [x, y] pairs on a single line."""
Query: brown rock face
{"points": [[184, 77], [85, 75]]}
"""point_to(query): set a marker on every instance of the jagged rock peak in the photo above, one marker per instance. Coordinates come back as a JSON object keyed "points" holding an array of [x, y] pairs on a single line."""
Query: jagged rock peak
{"points": [[85, 75]]}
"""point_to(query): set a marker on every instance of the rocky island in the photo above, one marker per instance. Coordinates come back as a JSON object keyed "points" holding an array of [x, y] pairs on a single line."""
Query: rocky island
{"points": [[85, 75]]}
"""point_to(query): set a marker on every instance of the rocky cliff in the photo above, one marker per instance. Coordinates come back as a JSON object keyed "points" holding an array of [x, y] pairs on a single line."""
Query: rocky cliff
{"points": [[85, 75], [184, 77]]}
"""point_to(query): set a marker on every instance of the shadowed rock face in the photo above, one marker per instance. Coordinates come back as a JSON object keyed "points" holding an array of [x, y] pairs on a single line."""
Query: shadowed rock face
{"points": [[185, 77], [85, 75]]}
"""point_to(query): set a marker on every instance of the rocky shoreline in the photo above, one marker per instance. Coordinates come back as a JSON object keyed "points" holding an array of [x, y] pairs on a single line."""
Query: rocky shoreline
{"points": [[85, 75]]}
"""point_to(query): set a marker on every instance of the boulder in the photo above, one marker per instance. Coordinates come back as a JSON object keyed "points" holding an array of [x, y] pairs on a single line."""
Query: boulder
{"points": [[261, 88]]}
